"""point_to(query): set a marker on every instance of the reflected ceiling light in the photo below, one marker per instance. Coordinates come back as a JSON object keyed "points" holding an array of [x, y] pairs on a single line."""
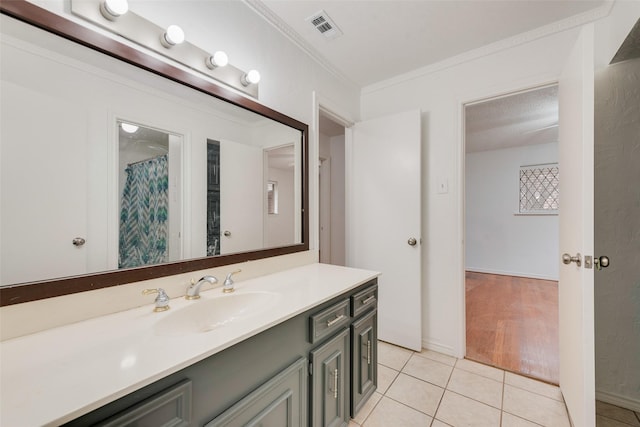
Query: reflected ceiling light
{"points": [[218, 59], [129, 128], [112, 9], [252, 77], [173, 36]]}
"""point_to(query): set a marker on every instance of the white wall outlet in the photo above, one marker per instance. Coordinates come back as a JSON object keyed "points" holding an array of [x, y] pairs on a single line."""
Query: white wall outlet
{"points": [[443, 185]]}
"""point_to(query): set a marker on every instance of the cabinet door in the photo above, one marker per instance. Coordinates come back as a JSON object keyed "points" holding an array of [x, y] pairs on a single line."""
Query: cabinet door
{"points": [[364, 368], [330, 382], [280, 402]]}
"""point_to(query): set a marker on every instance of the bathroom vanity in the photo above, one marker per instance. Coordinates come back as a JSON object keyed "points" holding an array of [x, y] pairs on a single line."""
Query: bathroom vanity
{"points": [[295, 348]]}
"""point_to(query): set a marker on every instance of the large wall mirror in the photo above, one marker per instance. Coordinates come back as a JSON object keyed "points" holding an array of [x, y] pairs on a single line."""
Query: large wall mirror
{"points": [[118, 168]]}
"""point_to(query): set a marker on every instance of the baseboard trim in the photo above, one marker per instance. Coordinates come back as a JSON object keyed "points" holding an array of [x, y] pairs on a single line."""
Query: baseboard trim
{"points": [[618, 400], [439, 348], [511, 273]]}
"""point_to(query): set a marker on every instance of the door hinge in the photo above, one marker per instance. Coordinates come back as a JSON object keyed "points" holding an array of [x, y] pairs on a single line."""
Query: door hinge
{"points": [[310, 368]]}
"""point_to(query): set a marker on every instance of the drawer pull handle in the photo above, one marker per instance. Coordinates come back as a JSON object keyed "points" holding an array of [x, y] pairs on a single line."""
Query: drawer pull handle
{"points": [[330, 323], [335, 384], [368, 300], [369, 352]]}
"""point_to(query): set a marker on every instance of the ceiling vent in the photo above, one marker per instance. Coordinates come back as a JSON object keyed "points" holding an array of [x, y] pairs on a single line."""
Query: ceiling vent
{"points": [[325, 26]]}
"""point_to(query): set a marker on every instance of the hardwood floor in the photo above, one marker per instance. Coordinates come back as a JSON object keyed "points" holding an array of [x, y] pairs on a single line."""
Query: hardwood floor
{"points": [[512, 323]]}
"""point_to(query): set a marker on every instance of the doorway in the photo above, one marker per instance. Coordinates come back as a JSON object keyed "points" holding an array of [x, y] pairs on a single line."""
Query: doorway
{"points": [[512, 232], [332, 190]]}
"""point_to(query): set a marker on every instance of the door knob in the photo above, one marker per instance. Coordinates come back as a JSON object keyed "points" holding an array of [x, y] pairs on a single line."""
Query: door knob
{"points": [[227, 233], [568, 259], [78, 241], [601, 262], [412, 241]]}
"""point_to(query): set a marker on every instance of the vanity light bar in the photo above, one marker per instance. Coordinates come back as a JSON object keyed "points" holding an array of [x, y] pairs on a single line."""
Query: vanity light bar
{"points": [[114, 16]]}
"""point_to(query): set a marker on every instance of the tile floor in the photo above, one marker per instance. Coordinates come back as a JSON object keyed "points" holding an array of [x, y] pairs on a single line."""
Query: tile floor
{"points": [[429, 389]]}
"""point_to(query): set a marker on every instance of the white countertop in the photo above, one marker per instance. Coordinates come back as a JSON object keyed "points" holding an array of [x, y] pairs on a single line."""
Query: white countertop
{"points": [[54, 376]]}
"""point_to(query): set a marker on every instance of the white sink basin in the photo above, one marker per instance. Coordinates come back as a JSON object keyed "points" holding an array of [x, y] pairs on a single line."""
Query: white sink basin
{"points": [[208, 314]]}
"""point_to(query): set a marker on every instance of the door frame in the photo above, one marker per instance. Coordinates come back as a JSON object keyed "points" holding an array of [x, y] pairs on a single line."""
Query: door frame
{"points": [[492, 92], [338, 115]]}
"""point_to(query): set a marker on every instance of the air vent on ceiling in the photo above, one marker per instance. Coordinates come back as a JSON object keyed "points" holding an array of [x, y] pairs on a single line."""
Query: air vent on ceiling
{"points": [[321, 21]]}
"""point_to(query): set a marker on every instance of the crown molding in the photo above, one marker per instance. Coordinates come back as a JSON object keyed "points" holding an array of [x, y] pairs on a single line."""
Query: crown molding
{"points": [[267, 14], [517, 40], [556, 27]]}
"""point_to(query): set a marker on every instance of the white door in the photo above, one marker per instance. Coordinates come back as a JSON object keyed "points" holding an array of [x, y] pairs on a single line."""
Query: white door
{"points": [[576, 99], [44, 203], [241, 197], [383, 215]]}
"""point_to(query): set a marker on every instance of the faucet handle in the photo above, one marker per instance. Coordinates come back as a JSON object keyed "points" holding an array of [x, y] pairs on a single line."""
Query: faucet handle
{"points": [[162, 300], [228, 282]]}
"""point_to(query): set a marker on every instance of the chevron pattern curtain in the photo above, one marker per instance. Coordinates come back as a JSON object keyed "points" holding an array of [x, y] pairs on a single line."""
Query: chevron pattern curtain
{"points": [[144, 216]]}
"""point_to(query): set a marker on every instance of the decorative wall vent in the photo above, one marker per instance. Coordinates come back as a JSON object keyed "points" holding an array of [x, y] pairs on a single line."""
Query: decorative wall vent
{"points": [[323, 23]]}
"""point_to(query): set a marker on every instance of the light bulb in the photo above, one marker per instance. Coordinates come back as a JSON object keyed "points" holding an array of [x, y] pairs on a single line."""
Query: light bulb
{"points": [[112, 9], [129, 128], [252, 77], [173, 36], [218, 59]]}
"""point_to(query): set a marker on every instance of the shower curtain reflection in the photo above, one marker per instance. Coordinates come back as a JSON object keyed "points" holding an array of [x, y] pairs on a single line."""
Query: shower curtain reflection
{"points": [[144, 226]]}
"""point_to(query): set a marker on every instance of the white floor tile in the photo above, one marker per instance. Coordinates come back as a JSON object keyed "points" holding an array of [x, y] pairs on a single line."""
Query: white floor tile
{"points": [[480, 369], [392, 356], [534, 407], [438, 423], [460, 411], [391, 413], [476, 387], [418, 394], [367, 408], [534, 386], [428, 370], [438, 357], [385, 377], [617, 413], [509, 420]]}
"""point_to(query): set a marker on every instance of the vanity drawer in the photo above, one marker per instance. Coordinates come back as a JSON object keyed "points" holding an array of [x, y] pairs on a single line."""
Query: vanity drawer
{"points": [[329, 320], [364, 300]]}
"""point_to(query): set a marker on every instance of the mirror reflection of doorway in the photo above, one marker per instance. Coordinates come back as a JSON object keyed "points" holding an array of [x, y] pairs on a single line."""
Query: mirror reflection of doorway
{"points": [[149, 215], [512, 231], [332, 190]]}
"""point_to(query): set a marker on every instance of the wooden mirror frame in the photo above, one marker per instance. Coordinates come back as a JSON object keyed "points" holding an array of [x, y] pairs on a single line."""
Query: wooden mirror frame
{"points": [[48, 21]]}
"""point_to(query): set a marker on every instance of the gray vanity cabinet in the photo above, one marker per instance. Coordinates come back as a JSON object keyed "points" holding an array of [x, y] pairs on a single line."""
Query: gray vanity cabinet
{"points": [[280, 402], [330, 382], [312, 370], [364, 359]]}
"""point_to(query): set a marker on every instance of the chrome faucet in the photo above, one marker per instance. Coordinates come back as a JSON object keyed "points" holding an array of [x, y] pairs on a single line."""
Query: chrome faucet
{"points": [[193, 290], [228, 282], [162, 300]]}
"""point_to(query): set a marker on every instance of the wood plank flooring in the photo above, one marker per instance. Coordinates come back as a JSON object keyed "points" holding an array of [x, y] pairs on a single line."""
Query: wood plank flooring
{"points": [[512, 323]]}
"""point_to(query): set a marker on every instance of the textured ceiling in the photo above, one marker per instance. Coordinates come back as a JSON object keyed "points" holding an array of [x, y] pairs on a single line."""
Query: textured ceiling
{"points": [[524, 118], [386, 38]]}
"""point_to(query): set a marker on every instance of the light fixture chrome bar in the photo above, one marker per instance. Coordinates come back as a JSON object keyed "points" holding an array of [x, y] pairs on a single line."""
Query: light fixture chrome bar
{"points": [[147, 34]]}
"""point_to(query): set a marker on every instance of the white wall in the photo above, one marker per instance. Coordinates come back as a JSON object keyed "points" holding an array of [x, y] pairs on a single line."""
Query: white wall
{"points": [[617, 233], [441, 93], [497, 240]]}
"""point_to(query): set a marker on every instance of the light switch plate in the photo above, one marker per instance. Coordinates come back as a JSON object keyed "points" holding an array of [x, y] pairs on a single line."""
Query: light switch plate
{"points": [[443, 185]]}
